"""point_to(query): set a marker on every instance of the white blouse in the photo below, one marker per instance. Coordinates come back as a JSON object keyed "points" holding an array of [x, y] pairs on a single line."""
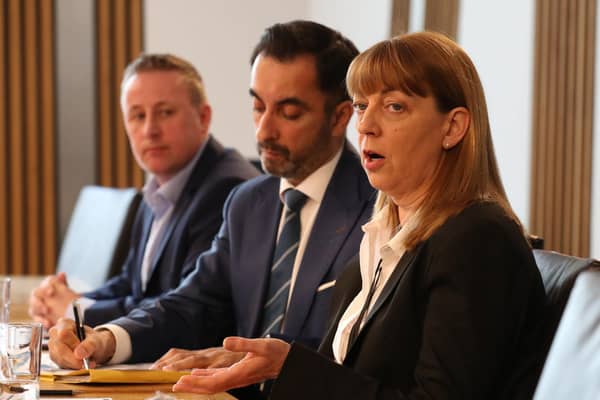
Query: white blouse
{"points": [[378, 242]]}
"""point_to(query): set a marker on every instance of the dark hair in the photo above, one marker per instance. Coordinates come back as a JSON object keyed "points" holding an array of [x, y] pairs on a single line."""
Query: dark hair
{"points": [[333, 52], [168, 62]]}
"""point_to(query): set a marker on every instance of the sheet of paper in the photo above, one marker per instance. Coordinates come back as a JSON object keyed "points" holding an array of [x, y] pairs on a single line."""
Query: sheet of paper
{"points": [[50, 366]]}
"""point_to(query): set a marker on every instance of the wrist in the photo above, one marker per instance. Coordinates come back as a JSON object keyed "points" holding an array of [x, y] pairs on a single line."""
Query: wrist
{"points": [[109, 345]]}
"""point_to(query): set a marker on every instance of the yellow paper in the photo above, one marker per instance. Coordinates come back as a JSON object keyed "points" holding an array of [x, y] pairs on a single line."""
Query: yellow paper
{"points": [[113, 376]]}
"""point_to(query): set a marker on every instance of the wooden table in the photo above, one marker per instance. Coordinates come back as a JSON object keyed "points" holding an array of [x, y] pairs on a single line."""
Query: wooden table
{"points": [[128, 391], [21, 287]]}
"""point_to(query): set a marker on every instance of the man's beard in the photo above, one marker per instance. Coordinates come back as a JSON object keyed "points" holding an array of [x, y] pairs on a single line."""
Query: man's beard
{"points": [[296, 167], [284, 168]]}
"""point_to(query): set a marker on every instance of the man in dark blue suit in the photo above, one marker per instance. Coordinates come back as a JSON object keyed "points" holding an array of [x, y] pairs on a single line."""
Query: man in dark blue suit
{"points": [[167, 118], [301, 110]]}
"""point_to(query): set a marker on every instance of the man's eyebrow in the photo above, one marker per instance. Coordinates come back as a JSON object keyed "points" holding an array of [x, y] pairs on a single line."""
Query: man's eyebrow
{"points": [[254, 94], [293, 101], [285, 101]]}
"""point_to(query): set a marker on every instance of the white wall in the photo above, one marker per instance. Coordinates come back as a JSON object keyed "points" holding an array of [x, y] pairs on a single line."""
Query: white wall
{"points": [[500, 42], [363, 22], [218, 38], [76, 121]]}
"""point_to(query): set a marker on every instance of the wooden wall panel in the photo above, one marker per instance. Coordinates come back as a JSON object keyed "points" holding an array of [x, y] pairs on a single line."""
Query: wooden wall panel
{"points": [[442, 16], [48, 140], [4, 236], [32, 129], [119, 40], [400, 17], [562, 123], [15, 138], [27, 179]]}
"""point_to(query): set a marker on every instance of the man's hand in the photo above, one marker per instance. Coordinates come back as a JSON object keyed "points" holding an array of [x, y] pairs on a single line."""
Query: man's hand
{"points": [[214, 357], [68, 352], [50, 300], [264, 359]]}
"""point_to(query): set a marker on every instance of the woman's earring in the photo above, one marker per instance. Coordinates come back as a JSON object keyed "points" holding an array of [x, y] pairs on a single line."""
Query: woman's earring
{"points": [[447, 145]]}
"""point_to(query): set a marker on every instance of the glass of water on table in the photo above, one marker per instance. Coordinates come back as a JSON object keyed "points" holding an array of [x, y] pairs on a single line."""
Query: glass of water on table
{"points": [[20, 349]]}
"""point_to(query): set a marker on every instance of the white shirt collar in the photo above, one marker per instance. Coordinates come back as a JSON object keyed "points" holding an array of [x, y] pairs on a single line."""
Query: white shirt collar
{"points": [[392, 240], [159, 198]]}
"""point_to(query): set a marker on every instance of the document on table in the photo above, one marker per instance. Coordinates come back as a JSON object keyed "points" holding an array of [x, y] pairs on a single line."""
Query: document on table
{"points": [[118, 373]]}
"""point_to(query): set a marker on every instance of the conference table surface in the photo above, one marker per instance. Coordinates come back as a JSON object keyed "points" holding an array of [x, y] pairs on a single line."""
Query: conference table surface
{"points": [[21, 287]]}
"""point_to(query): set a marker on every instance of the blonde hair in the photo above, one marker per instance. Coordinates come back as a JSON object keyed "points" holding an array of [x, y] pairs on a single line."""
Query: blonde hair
{"points": [[430, 64], [168, 62]]}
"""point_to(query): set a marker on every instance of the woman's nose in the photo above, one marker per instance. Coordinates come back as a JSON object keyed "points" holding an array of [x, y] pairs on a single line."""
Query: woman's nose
{"points": [[367, 123]]}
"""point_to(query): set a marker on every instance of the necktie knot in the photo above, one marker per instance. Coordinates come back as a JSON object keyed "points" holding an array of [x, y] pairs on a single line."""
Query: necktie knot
{"points": [[294, 199]]}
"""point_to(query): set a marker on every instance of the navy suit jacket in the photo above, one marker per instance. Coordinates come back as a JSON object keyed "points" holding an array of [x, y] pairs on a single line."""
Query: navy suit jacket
{"points": [[195, 220], [225, 293], [458, 318]]}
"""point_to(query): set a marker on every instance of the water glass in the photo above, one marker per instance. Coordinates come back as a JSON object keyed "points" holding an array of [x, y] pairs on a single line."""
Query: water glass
{"points": [[21, 351], [4, 300]]}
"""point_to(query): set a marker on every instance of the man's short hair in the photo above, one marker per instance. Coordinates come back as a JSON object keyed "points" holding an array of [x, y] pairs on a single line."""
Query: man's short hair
{"points": [[333, 52], [168, 62]]}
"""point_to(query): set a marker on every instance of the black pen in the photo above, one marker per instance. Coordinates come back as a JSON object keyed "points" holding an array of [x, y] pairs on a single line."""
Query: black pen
{"points": [[58, 392], [80, 330]]}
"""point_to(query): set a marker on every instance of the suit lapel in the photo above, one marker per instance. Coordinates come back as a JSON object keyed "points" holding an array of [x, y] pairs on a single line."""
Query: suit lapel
{"points": [[147, 218], [329, 233], [391, 284], [339, 210], [260, 253], [171, 223], [201, 170]]}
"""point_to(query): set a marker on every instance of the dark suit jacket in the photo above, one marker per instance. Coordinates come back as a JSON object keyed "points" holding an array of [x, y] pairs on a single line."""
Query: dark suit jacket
{"points": [[195, 220], [458, 319], [225, 294]]}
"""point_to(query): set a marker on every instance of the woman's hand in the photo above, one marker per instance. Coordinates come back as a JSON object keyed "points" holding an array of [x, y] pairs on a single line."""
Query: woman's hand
{"points": [[263, 361]]}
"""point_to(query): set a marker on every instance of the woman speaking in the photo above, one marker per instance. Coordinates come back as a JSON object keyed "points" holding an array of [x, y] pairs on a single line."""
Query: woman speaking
{"points": [[445, 299]]}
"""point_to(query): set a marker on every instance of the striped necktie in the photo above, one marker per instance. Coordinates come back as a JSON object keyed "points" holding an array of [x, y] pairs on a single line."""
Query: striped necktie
{"points": [[283, 263]]}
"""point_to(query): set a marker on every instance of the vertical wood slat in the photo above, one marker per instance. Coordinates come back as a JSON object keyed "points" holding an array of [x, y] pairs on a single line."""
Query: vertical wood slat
{"points": [[549, 201], [123, 177], [400, 17], [569, 231], [48, 139], [27, 181], [15, 138], [558, 105], [136, 34], [562, 124], [4, 236], [119, 32], [32, 131], [572, 236], [442, 16], [589, 38], [105, 167]]}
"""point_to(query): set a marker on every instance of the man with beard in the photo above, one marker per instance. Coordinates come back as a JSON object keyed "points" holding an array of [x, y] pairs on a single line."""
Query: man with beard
{"points": [[259, 279]]}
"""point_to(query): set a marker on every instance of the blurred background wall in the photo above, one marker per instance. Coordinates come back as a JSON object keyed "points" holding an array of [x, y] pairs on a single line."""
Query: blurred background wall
{"points": [[218, 38]]}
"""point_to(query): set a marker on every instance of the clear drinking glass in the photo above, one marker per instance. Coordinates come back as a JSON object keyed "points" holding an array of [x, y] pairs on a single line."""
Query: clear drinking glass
{"points": [[4, 299], [21, 356]]}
